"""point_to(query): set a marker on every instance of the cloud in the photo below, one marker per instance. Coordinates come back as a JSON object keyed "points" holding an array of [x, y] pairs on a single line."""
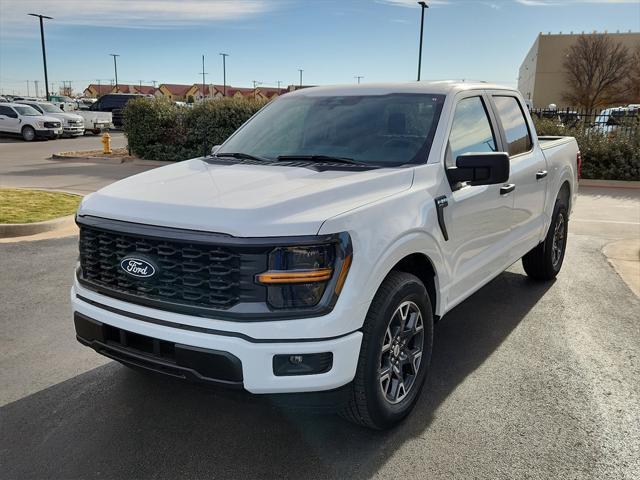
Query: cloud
{"points": [[127, 13], [413, 3], [553, 3]]}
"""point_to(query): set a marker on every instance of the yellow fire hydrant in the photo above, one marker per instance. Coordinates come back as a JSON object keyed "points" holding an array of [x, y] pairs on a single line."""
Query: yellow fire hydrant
{"points": [[106, 143]]}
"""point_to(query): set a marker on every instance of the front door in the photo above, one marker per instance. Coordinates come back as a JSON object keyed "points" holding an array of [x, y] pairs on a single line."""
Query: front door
{"points": [[478, 218]]}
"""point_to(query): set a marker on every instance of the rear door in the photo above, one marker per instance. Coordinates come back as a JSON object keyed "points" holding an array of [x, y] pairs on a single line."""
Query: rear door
{"points": [[9, 121], [478, 217], [528, 171]]}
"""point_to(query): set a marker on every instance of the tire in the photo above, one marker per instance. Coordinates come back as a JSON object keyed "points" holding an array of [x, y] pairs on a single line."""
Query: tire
{"points": [[28, 133], [545, 261], [375, 400], [96, 131]]}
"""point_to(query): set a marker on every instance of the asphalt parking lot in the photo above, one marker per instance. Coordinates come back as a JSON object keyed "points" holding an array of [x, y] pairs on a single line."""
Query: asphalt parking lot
{"points": [[528, 380]]}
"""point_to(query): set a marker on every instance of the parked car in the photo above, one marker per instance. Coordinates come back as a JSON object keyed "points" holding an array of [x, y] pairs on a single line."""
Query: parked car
{"points": [[63, 102], [113, 103], [72, 124], [3, 100], [610, 121], [315, 249], [95, 122], [26, 121]]}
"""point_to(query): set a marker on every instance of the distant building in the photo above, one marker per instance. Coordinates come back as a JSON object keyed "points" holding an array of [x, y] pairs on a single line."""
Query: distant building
{"points": [[172, 91], [541, 77], [197, 93], [97, 90]]}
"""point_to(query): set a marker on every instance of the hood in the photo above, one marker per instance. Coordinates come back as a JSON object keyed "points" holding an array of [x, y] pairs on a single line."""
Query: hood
{"points": [[68, 116], [242, 200]]}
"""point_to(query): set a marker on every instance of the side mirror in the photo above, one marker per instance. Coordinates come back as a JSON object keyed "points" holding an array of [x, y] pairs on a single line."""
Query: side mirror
{"points": [[480, 168], [214, 149]]}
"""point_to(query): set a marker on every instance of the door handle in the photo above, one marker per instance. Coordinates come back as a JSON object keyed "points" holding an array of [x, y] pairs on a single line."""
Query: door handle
{"points": [[541, 174], [508, 188]]}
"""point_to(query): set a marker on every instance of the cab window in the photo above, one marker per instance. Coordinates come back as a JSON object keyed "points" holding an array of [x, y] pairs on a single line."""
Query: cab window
{"points": [[514, 124], [471, 130]]}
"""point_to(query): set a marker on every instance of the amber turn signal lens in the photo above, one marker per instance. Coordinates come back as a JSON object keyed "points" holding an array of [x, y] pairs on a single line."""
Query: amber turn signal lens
{"points": [[295, 276], [343, 274]]}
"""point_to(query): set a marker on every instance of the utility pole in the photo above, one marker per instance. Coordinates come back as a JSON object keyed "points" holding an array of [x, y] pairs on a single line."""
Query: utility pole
{"points": [[115, 67], [44, 54], [278, 82], [154, 83], [224, 73], [423, 7], [300, 70], [35, 82], [358, 77], [28, 95], [203, 74]]}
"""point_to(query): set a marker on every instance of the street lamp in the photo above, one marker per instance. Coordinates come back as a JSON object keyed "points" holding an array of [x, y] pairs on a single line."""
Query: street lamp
{"points": [[358, 78], [44, 55], [115, 68], [224, 73], [300, 70], [423, 6]]}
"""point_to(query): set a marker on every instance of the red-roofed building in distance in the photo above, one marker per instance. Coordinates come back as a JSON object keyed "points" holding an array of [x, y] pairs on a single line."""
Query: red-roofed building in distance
{"points": [[95, 90], [172, 91]]}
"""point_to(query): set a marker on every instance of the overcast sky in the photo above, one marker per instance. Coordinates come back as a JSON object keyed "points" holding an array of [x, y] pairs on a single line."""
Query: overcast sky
{"points": [[268, 40]]}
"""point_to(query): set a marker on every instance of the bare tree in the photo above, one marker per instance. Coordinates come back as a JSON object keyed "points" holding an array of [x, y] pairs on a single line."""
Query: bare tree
{"points": [[633, 80], [596, 69]]}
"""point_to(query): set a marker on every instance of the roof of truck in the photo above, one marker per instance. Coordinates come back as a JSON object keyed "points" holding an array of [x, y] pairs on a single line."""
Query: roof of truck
{"points": [[443, 87]]}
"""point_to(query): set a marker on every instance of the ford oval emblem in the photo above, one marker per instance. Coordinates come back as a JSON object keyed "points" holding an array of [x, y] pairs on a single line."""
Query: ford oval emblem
{"points": [[138, 267]]}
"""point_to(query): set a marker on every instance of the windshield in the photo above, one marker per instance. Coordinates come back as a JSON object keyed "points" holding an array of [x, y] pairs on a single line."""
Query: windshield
{"points": [[49, 108], [381, 130], [27, 111]]}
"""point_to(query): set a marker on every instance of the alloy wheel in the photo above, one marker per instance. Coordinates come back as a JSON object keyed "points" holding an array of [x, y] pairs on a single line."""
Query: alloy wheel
{"points": [[401, 352]]}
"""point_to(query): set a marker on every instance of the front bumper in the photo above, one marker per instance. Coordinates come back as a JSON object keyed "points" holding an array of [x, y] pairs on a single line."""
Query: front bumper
{"points": [[254, 355], [49, 133], [73, 131]]}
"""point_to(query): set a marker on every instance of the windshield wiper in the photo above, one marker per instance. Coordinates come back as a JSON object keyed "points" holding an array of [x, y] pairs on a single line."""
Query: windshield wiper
{"points": [[320, 158], [241, 155]]}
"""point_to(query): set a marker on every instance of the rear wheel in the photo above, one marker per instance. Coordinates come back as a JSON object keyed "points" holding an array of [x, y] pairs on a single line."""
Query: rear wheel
{"points": [[395, 354], [545, 261], [28, 133]]}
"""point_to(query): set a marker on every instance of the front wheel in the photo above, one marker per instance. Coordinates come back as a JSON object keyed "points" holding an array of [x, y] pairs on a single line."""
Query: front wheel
{"points": [[28, 133], [395, 354], [545, 261]]}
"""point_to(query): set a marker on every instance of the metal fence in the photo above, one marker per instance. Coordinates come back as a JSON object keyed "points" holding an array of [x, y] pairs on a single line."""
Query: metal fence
{"points": [[610, 121]]}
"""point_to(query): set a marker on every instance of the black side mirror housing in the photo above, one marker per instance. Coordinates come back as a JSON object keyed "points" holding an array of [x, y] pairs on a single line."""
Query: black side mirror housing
{"points": [[480, 169]]}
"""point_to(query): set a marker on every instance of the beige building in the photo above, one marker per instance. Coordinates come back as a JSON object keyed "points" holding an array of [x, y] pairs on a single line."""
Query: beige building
{"points": [[541, 77]]}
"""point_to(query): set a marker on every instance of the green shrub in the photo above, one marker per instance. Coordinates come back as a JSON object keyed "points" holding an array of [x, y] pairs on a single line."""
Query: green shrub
{"points": [[157, 129], [615, 157]]}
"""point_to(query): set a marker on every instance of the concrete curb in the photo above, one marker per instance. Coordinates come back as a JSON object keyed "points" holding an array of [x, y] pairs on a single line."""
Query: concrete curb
{"points": [[609, 184], [10, 230], [624, 256], [112, 160], [109, 160]]}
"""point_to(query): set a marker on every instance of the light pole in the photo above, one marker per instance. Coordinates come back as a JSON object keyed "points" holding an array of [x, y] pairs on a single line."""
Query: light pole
{"points": [[44, 55], [423, 6], [115, 67], [224, 73], [203, 75], [358, 77], [300, 70]]}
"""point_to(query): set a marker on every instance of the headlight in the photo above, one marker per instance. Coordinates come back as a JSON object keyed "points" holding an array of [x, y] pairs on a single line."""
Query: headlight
{"points": [[299, 276], [40, 124]]}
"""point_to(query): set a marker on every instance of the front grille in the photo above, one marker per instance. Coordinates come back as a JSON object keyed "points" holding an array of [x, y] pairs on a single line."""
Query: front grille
{"points": [[190, 274], [52, 124]]}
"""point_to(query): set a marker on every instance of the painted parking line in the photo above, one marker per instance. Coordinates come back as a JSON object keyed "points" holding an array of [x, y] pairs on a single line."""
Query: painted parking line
{"points": [[605, 221]]}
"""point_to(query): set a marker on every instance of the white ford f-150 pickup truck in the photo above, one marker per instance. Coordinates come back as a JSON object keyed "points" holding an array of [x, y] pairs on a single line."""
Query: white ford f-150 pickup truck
{"points": [[314, 250]]}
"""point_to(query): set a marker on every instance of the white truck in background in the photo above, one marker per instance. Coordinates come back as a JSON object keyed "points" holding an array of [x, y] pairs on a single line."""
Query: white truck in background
{"points": [[314, 250], [72, 124]]}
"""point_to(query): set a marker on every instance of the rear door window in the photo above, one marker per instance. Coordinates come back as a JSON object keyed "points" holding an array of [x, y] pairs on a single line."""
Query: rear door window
{"points": [[471, 130], [514, 124]]}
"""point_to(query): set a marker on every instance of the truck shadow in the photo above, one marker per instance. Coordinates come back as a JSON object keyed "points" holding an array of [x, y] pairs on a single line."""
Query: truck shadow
{"points": [[116, 423]]}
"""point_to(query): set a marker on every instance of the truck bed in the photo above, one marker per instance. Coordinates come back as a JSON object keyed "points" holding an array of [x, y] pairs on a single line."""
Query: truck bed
{"points": [[549, 141]]}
